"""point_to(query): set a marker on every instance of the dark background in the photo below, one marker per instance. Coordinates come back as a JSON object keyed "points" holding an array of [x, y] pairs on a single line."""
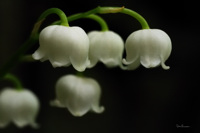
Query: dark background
{"points": [[140, 101]]}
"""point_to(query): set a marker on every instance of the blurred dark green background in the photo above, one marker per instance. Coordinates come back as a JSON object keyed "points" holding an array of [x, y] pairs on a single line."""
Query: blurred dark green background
{"points": [[140, 101]]}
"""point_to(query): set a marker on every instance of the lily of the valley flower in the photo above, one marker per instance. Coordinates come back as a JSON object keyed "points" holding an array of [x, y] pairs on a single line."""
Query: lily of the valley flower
{"points": [[78, 94], [18, 106], [150, 47], [63, 46], [106, 47]]}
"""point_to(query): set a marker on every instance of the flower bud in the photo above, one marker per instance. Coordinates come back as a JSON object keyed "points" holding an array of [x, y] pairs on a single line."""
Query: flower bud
{"points": [[20, 107], [106, 47], [63, 46], [78, 94], [150, 47]]}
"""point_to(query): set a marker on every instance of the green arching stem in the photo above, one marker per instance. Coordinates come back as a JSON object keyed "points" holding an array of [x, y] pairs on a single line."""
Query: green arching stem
{"points": [[106, 10], [14, 80], [127, 11], [137, 16], [85, 14], [57, 11], [102, 22]]}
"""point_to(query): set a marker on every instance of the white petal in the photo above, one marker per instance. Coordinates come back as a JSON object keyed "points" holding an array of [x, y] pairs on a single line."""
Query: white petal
{"points": [[4, 116], [93, 61], [79, 63], [78, 110], [80, 49], [166, 47], [59, 64], [107, 47], [163, 64], [56, 103], [98, 109], [37, 55], [149, 62], [165, 42], [131, 65], [95, 105], [6, 98], [111, 62], [26, 106], [132, 46]]}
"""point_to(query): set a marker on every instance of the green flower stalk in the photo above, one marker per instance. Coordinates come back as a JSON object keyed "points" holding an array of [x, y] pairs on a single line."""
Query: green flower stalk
{"points": [[57, 11], [97, 18], [102, 22], [106, 10], [137, 16], [17, 83]]}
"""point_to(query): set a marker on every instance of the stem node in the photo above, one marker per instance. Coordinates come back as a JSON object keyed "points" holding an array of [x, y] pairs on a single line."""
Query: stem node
{"points": [[105, 10]]}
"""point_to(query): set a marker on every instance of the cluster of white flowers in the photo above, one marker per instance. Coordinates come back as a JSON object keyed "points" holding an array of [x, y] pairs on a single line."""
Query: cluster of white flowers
{"points": [[71, 45], [63, 46]]}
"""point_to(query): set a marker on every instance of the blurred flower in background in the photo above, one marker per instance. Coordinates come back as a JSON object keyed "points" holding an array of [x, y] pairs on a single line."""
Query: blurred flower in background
{"points": [[18, 106], [78, 94]]}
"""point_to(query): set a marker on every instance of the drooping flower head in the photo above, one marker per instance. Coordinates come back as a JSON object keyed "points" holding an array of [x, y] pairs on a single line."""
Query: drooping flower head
{"points": [[20, 107], [106, 47], [78, 94], [150, 47], [63, 46]]}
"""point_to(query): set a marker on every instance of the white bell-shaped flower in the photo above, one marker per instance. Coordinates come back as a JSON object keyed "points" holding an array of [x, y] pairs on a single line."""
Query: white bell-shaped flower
{"points": [[78, 94], [18, 106], [150, 47], [63, 46], [106, 47]]}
